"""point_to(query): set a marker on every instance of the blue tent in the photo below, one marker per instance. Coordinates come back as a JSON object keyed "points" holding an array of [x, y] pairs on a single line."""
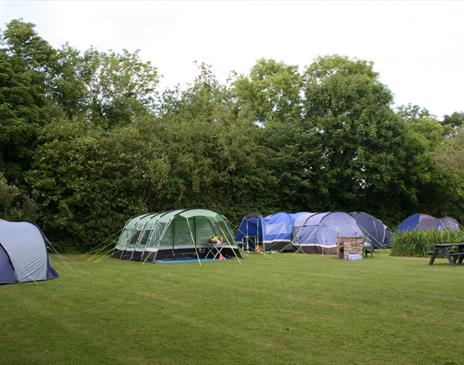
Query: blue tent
{"points": [[273, 232], [250, 231], [318, 232], [23, 254], [374, 230], [425, 222]]}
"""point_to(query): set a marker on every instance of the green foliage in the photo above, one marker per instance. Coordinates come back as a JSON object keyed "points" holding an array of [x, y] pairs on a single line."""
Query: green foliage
{"points": [[25, 63], [270, 94], [411, 112], [14, 204], [89, 182], [453, 123], [418, 243], [450, 155], [361, 138], [40, 84], [120, 86], [214, 153]]}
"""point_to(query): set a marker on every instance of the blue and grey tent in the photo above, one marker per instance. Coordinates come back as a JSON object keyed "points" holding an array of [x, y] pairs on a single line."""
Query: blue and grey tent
{"points": [[419, 222], [274, 232], [450, 224], [374, 230], [23, 254], [425, 222], [317, 233]]}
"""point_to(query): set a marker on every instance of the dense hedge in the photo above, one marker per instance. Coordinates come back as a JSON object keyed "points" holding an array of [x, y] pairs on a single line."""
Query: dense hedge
{"points": [[419, 242]]}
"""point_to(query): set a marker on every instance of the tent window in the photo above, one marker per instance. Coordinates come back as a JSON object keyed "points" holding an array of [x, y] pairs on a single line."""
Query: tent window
{"points": [[145, 236], [134, 238]]}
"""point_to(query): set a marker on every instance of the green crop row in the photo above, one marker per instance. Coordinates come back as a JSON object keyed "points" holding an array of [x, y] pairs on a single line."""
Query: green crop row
{"points": [[417, 243]]}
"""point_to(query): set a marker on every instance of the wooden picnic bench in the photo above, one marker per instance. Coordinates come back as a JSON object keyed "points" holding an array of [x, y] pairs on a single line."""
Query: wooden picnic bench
{"points": [[454, 252]]}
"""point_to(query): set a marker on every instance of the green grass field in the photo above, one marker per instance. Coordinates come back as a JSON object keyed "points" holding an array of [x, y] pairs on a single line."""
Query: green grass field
{"points": [[273, 309]]}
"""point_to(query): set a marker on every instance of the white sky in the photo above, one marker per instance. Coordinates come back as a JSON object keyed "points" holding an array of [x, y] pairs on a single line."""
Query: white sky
{"points": [[417, 47]]}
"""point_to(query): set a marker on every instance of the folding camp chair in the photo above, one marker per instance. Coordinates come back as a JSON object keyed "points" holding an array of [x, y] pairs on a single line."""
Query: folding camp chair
{"points": [[368, 249]]}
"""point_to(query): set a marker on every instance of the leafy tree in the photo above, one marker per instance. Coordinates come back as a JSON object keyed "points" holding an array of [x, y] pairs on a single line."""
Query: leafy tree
{"points": [[361, 137], [88, 182], [450, 155], [119, 86], [271, 92], [412, 112], [214, 154], [433, 170], [270, 98], [25, 63]]}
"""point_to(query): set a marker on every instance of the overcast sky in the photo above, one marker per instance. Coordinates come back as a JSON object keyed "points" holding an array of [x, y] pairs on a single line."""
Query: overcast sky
{"points": [[417, 47]]}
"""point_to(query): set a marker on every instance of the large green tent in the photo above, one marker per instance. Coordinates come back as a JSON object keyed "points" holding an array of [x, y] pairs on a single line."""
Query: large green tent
{"points": [[178, 235]]}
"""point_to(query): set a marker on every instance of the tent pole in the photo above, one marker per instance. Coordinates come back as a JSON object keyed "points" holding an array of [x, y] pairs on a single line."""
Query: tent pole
{"points": [[193, 240], [246, 237], [131, 231], [139, 240], [227, 240], [146, 243], [149, 238], [156, 246]]}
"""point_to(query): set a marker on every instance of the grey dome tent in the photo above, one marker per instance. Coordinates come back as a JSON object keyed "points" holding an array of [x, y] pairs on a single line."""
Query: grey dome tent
{"points": [[318, 232], [450, 224], [178, 235], [419, 222], [23, 254], [374, 230]]}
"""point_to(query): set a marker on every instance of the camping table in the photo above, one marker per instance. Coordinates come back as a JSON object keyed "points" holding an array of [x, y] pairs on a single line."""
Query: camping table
{"points": [[454, 252], [215, 250]]}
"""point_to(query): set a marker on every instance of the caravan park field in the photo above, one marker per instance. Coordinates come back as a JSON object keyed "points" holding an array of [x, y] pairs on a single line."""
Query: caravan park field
{"points": [[272, 309]]}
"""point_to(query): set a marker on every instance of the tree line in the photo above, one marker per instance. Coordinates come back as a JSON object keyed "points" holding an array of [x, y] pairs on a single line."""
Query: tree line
{"points": [[87, 140]]}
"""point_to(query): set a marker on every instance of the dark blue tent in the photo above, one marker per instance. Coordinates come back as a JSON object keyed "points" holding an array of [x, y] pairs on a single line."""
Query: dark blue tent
{"points": [[250, 231], [23, 254], [374, 230], [273, 232]]}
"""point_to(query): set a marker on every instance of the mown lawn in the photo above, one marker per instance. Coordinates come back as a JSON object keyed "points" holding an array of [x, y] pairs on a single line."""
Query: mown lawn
{"points": [[274, 309]]}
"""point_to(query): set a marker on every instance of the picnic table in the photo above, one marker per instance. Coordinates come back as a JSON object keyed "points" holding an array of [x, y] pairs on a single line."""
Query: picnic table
{"points": [[454, 252]]}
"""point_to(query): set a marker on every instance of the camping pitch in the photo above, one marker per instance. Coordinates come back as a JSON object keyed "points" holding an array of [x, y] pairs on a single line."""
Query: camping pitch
{"points": [[271, 233], [425, 222], [374, 230], [174, 236], [23, 254]]}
